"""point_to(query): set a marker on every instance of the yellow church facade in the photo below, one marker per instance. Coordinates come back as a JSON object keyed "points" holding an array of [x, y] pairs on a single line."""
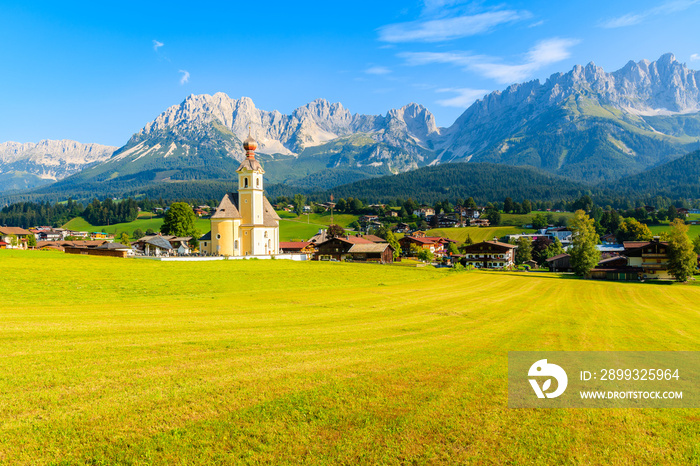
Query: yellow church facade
{"points": [[244, 224]]}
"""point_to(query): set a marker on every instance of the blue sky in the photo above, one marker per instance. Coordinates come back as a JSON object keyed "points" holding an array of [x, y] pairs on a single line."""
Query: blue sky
{"points": [[98, 72]]}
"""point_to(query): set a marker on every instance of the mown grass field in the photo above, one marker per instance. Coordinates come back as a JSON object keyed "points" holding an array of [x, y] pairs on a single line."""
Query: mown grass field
{"points": [[126, 361], [477, 234]]}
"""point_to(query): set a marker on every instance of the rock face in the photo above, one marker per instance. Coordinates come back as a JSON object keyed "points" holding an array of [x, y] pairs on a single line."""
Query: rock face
{"points": [[311, 125], [585, 124], [24, 165]]}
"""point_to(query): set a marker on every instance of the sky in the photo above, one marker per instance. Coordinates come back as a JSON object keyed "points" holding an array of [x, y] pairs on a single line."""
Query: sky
{"points": [[100, 71]]}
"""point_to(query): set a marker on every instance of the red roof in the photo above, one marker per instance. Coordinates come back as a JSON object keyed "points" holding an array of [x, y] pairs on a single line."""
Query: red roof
{"points": [[294, 244]]}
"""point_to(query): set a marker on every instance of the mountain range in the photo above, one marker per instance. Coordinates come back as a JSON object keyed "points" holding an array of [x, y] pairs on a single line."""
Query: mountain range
{"points": [[585, 125], [27, 165]]}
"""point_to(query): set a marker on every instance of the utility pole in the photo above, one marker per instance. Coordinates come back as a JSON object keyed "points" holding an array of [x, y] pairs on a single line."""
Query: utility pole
{"points": [[331, 209]]}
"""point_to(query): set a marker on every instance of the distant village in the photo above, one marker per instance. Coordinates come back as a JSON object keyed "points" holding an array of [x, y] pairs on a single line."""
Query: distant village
{"points": [[625, 261]]}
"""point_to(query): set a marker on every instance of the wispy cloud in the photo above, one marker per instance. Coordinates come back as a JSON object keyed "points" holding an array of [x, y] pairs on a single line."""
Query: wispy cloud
{"points": [[542, 54], [443, 29], [185, 78], [633, 18], [464, 98], [695, 57], [157, 45], [378, 70]]}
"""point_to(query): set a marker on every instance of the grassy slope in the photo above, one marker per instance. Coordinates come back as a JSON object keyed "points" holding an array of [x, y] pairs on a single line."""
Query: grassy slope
{"points": [[150, 362], [477, 234]]}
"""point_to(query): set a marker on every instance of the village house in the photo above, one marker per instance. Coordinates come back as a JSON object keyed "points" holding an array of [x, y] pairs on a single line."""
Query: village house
{"points": [[424, 212], [490, 255], [468, 213], [297, 247], [148, 245], [650, 256], [559, 263], [479, 222], [354, 248], [8, 235]]}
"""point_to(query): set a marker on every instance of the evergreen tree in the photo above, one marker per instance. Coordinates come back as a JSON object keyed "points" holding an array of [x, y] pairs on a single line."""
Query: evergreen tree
{"points": [[31, 241], [682, 259], [584, 254]]}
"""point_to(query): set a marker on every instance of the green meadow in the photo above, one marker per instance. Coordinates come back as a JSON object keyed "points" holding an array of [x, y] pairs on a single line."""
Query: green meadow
{"points": [[127, 361]]}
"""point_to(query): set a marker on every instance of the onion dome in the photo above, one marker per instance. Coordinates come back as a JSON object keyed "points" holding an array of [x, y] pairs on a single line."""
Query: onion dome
{"points": [[250, 145]]}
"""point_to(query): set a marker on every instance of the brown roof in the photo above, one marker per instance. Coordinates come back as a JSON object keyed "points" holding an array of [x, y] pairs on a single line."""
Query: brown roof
{"points": [[81, 244], [227, 207], [250, 163], [558, 256], [294, 244], [270, 217], [418, 239], [366, 248], [374, 238], [14, 231], [355, 240]]}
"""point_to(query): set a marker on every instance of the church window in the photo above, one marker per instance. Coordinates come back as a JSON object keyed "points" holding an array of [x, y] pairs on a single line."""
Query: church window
{"points": [[265, 234], [257, 183], [246, 233], [245, 183], [218, 236], [235, 244]]}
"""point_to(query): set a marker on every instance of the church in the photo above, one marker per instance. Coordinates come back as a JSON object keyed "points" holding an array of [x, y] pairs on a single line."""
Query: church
{"points": [[244, 224]]}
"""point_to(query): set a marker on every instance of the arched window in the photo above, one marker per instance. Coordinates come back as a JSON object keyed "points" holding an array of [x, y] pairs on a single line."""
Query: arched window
{"points": [[257, 182], [245, 183], [235, 244], [265, 234]]}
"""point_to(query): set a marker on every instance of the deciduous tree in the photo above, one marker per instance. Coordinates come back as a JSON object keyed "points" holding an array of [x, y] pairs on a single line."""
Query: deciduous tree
{"points": [[179, 220], [682, 259], [584, 254]]}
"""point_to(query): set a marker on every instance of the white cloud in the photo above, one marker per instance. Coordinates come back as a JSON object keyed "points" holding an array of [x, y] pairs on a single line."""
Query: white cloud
{"points": [[157, 45], [378, 70], [542, 54], [438, 30], [464, 98], [694, 57], [185, 78], [630, 19]]}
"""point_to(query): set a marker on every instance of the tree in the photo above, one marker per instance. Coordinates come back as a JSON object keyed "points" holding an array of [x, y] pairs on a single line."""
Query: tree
{"points": [[341, 205], [469, 203], [394, 243], [523, 252], [125, 239], [14, 241], [632, 230], [299, 202], [149, 231], [526, 206], [335, 231], [696, 244], [539, 221], [452, 248], [508, 205], [672, 213], [31, 241], [584, 254], [425, 255], [682, 260], [539, 249], [554, 249], [138, 233], [179, 220], [494, 217]]}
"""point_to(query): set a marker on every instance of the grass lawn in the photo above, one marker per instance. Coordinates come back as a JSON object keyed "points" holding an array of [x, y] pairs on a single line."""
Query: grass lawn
{"points": [[477, 234], [126, 361], [519, 220], [693, 230]]}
